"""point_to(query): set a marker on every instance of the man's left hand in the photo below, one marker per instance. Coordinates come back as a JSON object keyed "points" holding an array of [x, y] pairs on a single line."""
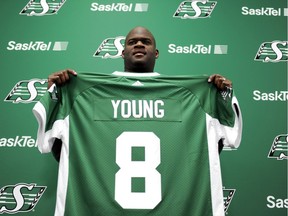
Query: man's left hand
{"points": [[221, 82]]}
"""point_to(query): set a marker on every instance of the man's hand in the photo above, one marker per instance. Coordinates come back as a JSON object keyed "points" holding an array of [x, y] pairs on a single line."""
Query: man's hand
{"points": [[60, 78], [221, 82]]}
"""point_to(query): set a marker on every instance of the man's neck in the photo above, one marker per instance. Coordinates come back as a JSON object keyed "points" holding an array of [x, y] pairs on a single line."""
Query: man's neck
{"points": [[139, 70]]}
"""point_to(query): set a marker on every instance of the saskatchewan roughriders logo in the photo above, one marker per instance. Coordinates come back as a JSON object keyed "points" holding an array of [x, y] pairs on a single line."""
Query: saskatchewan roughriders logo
{"points": [[20, 198], [27, 91], [42, 7], [228, 196], [275, 51], [279, 148], [110, 48], [194, 9]]}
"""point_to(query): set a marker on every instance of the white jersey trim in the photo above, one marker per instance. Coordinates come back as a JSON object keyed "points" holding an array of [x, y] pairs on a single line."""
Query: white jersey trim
{"points": [[63, 171], [45, 141], [132, 74], [40, 114], [214, 167], [231, 137]]}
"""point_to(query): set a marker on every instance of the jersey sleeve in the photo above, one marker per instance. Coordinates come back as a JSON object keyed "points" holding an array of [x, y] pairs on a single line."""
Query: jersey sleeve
{"points": [[226, 117], [46, 112]]}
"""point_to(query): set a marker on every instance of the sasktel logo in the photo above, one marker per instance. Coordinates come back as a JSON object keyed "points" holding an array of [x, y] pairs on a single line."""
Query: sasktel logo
{"points": [[110, 48], [195, 9], [278, 203], [42, 7], [21, 197], [275, 51], [197, 49], [119, 7], [18, 142], [27, 91], [270, 96], [37, 46], [264, 11]]}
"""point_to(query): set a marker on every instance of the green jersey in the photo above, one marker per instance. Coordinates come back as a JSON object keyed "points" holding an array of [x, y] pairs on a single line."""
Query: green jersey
{"points": [[139, 143]]}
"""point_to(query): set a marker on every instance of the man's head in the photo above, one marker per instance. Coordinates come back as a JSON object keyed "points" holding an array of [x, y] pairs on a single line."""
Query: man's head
{"points": [[140, 51]]}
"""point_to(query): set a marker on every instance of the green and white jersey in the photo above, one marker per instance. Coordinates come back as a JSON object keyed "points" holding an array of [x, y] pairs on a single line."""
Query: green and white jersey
{"points": [[139, 144]]}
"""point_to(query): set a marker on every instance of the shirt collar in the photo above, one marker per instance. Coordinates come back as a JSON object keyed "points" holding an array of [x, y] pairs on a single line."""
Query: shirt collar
{"points": [[133, 74]]}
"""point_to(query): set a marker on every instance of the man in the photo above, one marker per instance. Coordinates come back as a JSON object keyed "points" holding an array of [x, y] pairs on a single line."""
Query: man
{"points": [[136, 142]]}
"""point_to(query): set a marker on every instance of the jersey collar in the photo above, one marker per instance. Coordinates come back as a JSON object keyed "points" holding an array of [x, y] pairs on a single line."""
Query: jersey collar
{"points": [[130, 74]]}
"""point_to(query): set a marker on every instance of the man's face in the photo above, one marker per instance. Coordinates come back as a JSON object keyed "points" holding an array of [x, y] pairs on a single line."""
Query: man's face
{"points": [[140, 51]]}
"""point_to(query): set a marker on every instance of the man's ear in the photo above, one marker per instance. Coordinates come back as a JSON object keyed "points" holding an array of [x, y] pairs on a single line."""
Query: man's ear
{"points": [[122, 54], [156, 53]]}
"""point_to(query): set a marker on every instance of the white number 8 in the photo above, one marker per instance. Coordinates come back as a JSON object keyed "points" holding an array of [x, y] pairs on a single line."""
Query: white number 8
{"points": [[145, 169]]}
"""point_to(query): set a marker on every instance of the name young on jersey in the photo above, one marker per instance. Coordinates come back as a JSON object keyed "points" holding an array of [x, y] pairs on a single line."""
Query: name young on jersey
{"points": [[159, 109], [138, 108]]}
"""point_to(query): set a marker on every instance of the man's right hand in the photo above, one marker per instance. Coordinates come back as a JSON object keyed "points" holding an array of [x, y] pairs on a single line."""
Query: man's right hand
{"points": [[60, 78]]}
